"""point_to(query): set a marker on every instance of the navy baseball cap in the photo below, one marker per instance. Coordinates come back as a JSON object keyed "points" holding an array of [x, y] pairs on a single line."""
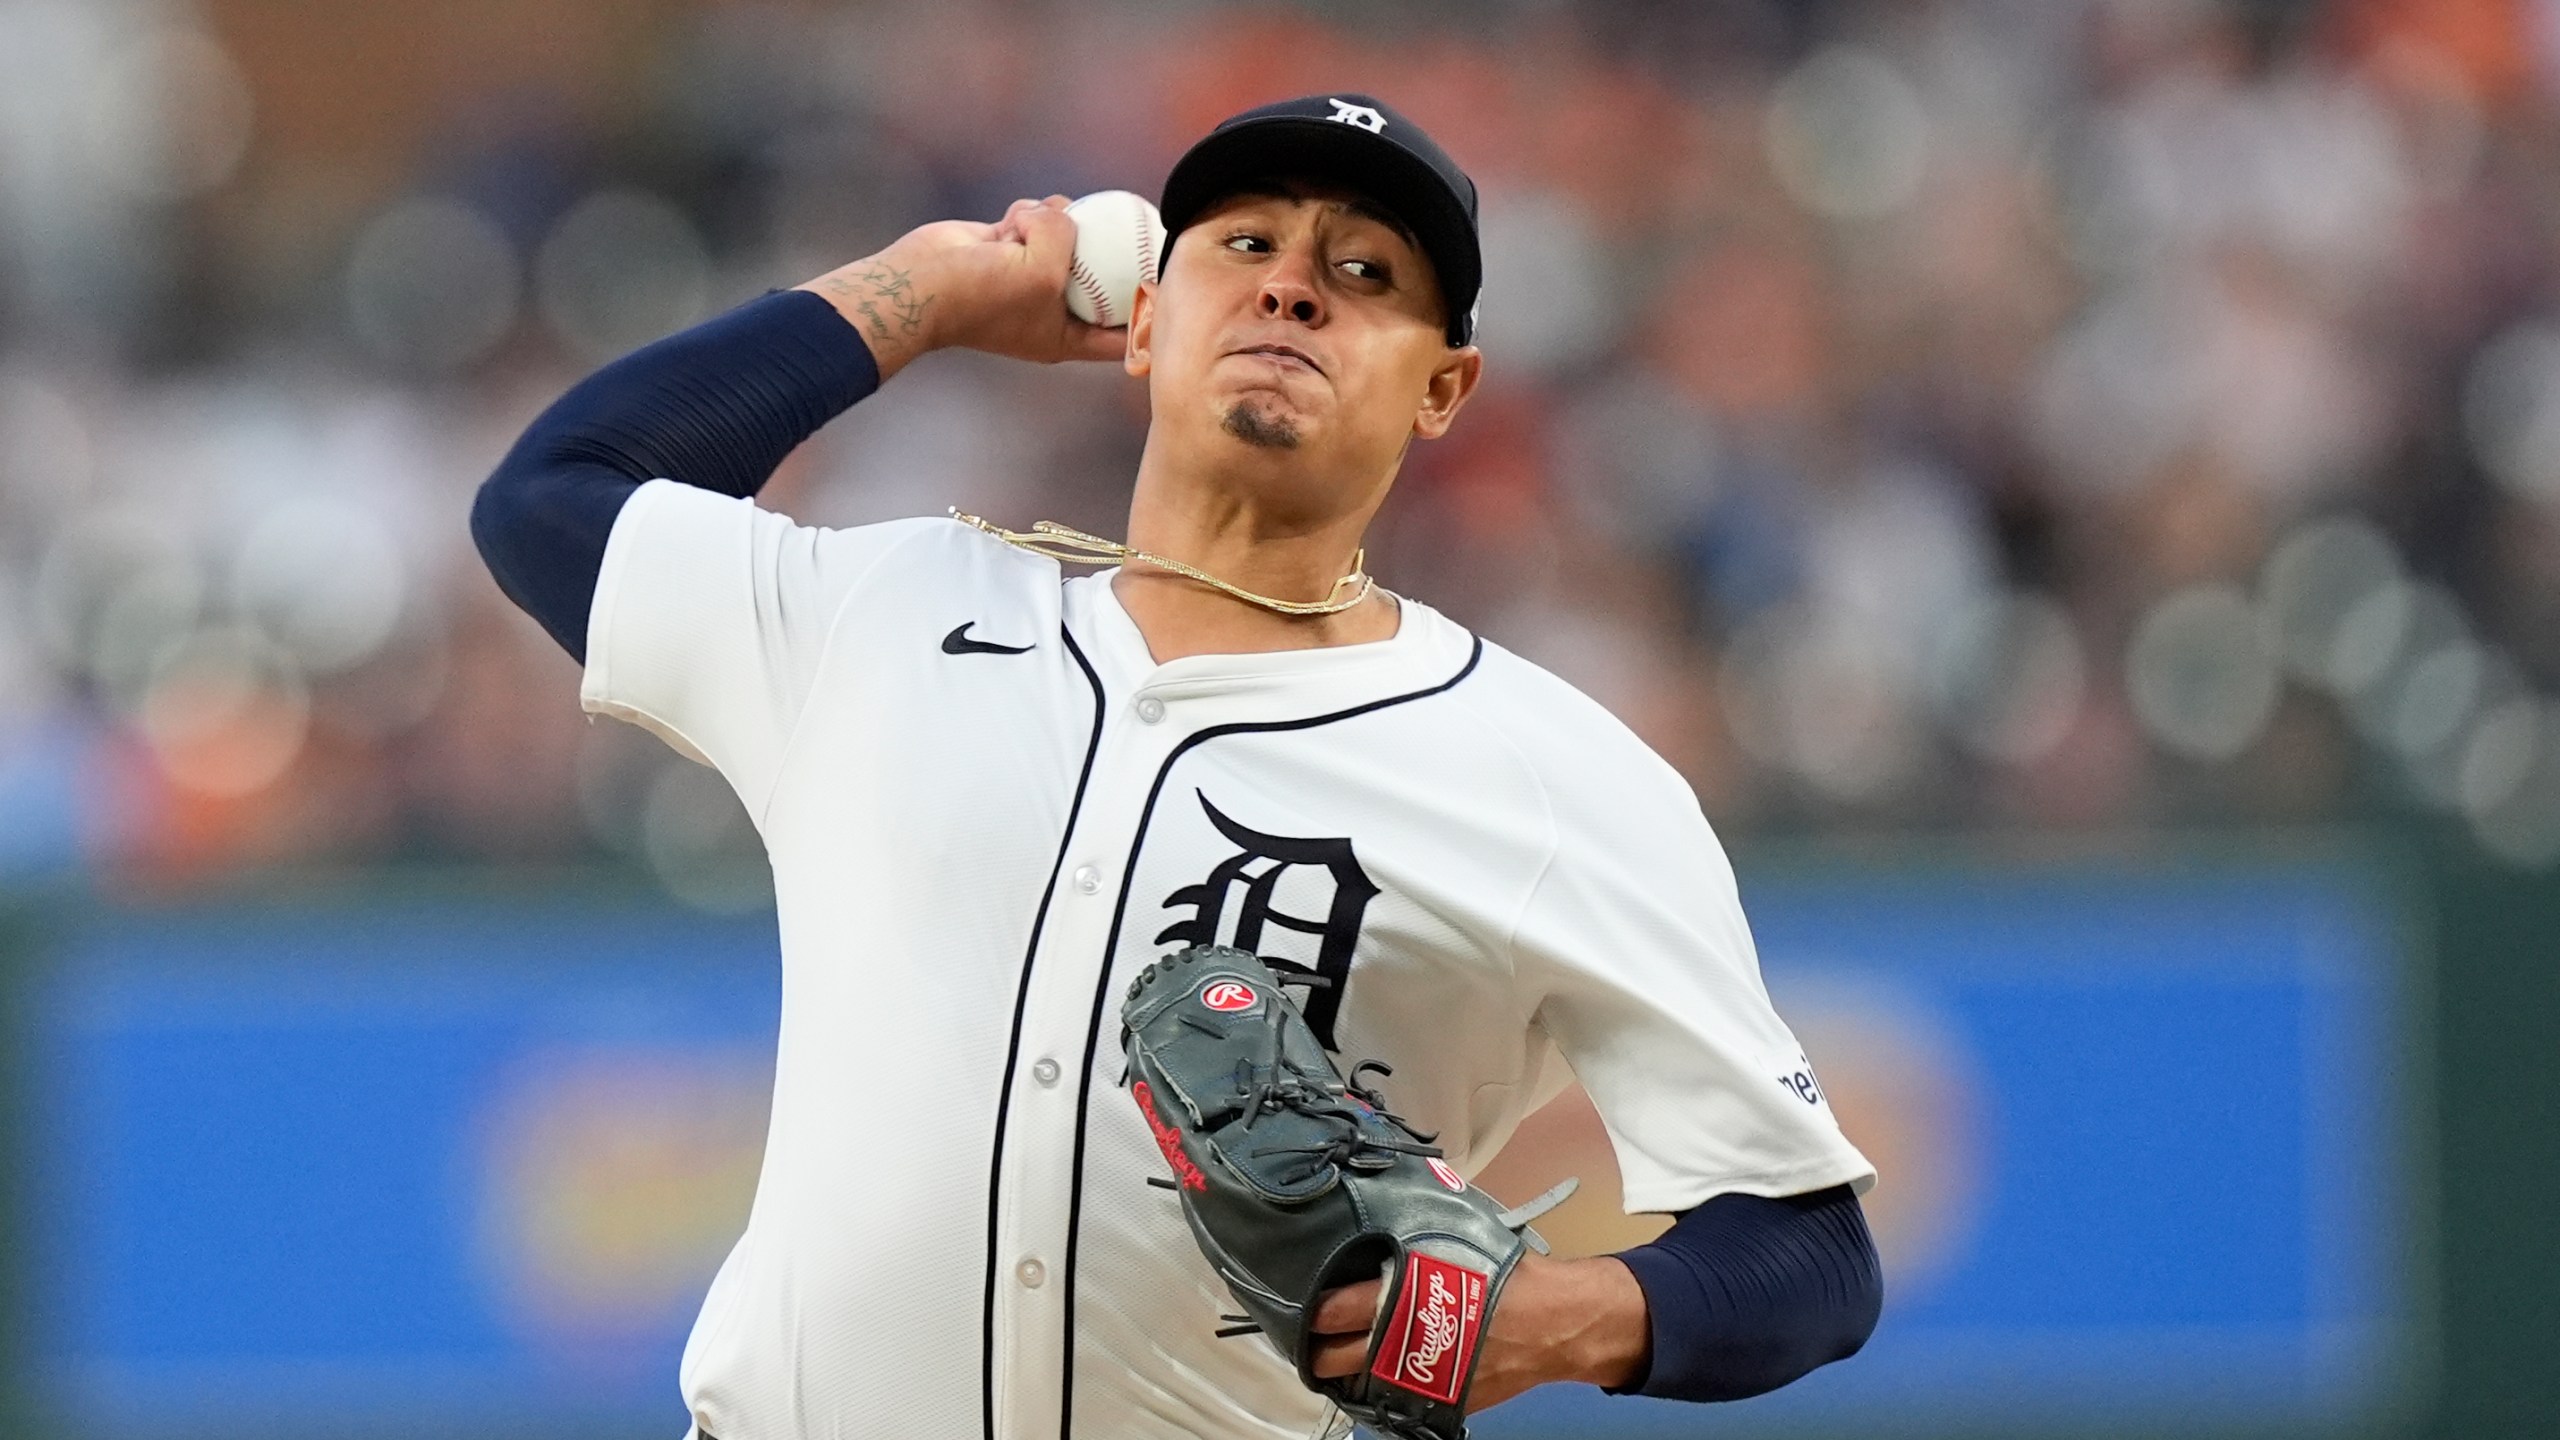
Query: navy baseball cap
{"points": [[1359, 143]]}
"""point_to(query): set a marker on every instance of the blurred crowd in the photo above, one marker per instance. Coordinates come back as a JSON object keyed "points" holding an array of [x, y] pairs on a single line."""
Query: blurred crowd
{"points": [[2003, 415]]}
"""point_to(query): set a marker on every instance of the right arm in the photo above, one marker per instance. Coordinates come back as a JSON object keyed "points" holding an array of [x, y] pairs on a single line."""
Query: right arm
{"points": [[719, 406]]}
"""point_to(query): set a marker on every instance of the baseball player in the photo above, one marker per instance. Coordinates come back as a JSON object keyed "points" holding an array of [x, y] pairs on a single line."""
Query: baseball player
{"points": [[994, 790]]}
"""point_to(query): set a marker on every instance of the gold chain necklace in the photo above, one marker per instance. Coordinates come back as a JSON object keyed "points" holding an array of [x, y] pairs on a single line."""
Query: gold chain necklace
{"points": [[1075, 547]]}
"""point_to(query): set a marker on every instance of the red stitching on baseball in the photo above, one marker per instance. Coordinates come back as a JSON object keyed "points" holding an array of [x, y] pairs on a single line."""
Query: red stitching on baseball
{"points": [[1092, 292]]}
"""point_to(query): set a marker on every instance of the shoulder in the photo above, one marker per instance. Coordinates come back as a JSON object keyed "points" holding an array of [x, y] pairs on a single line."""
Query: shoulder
{"points": [[674, 520], [944, 546], [1614, 807], [1602, 795], [928, 573], [1569, 739]]}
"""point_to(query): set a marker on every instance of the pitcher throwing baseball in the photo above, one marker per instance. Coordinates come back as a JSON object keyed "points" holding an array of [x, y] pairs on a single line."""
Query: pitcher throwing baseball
{"points": [[1015, 809]]}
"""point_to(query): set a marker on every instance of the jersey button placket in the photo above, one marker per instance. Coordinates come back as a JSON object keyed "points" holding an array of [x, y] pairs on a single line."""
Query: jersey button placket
{"points": [[1039, 1175]]}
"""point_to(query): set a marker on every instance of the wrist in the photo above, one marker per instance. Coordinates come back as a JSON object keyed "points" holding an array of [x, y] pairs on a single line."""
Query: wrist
{"points": [[1611, 1349], [888, 303]]}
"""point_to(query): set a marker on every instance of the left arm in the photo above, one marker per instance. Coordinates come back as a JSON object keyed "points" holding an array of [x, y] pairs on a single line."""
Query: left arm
{"points": [[1631, 954], [1742, 1295]]}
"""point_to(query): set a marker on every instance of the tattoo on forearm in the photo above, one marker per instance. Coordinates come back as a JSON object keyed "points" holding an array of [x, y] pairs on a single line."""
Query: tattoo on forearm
{"points": [[885, 297]]}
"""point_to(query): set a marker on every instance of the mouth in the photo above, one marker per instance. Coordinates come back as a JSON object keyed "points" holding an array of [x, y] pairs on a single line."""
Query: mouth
{"points": [[1282, 353]]}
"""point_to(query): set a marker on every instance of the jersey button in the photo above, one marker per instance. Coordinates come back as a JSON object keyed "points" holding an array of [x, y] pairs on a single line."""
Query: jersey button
{"points": [[1045, 1071], [1030, 1273], [1150, 709], [1088, 879]]}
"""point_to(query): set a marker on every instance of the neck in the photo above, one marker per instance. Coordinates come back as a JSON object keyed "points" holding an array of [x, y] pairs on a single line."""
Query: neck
{"points": [[1226, 525]]}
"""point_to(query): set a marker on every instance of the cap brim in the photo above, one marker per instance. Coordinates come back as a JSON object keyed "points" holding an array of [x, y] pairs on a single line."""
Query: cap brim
{"points": [[1301, 148]]}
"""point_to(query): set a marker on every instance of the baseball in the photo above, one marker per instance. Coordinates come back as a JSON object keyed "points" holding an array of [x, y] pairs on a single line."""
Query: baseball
{"points": [[1118, 236]]}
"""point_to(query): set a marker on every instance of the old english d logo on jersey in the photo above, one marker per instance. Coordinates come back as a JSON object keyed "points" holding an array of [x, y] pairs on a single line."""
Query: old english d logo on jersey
{"points": [[1431, 1337], [1242, 898]]}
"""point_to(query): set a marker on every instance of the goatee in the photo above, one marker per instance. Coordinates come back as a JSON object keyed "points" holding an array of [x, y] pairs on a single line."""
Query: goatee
{"points": [[1249, 423]]}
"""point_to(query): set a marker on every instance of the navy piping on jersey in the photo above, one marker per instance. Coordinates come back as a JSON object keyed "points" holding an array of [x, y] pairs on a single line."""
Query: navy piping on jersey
{"points": [[1111, 948], [1013, 1045]]}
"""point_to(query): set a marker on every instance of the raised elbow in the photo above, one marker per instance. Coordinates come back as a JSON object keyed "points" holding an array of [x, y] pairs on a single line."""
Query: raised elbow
{"points": [[541, 530], [493, 511]]}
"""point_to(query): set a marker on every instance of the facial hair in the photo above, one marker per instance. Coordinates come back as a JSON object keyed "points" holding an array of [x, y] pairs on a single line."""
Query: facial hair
{"points": [[1249, 423]]}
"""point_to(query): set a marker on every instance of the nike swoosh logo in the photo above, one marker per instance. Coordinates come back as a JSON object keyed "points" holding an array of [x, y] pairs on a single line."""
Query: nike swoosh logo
{"points": [[959, 643]]}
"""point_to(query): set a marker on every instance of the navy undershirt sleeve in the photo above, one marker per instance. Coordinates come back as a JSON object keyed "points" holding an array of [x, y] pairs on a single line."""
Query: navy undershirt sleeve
{"points": [[1748, 1294], [719, 406]]}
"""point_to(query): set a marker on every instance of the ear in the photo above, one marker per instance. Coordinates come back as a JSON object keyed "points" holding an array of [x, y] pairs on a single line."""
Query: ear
{"points": [[1142, 331], [1452, 381]]}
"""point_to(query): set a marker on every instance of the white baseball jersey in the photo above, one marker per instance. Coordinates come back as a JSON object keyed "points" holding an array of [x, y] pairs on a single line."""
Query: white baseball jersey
{"points": [[987, 806]]}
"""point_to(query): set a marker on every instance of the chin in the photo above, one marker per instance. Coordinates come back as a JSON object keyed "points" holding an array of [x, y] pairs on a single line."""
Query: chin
{"points": [[1263, 422]]}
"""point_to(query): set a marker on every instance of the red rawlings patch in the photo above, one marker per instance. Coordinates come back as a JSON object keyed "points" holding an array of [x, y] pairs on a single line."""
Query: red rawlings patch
{"points": [[1168, 1140], [1228, 996], [1448, 1174], [1431, 1337]]}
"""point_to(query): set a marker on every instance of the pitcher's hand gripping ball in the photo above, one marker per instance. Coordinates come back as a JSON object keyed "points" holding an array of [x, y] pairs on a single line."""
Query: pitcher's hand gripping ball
{"points": [[1296, 1180], [1118, 239]]}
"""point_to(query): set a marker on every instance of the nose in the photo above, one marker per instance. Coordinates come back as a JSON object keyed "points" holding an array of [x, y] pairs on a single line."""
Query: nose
{"points": [[1289, 291]]}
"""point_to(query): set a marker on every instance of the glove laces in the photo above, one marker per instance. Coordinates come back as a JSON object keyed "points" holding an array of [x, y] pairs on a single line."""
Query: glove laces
{"points": [[1279, 1083]]}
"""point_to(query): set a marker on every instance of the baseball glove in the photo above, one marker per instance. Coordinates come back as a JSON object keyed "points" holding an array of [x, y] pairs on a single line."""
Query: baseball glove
{"points": [[1297, 1179]]}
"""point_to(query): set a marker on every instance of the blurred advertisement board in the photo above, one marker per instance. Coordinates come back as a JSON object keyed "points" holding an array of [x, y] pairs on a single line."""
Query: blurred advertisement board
{"points": [[414, 1170], [467, 1167], [2141, 1139]]}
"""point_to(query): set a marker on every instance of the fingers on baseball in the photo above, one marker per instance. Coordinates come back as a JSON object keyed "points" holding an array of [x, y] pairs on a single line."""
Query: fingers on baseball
{"points": [[1012, 226], [1051, 235]]}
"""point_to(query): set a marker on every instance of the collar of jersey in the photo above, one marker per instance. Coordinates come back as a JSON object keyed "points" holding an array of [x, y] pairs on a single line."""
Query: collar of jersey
{"points": [[1126, 656]]}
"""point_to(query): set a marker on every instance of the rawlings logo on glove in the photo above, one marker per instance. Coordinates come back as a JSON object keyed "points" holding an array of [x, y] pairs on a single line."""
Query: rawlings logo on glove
{"points": [[1437, 1319], [1169, 1140]]}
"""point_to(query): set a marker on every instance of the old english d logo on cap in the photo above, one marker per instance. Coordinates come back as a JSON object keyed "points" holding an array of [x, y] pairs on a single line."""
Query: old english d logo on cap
{"points": [[1363, 116]]}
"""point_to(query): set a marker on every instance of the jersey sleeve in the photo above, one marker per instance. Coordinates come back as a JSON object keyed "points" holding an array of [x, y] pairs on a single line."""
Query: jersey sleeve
{"points": [[709, 621], [1635, 958]]}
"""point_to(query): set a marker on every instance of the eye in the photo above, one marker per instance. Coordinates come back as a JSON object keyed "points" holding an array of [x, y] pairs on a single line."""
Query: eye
{"points": [[1247, 242], [1371, 270]]}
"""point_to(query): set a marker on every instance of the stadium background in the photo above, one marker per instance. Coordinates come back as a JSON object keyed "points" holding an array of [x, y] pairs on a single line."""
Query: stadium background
{"points": [[2075, 486]]}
